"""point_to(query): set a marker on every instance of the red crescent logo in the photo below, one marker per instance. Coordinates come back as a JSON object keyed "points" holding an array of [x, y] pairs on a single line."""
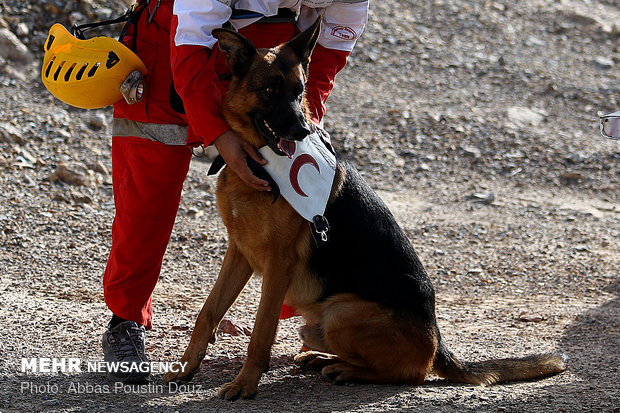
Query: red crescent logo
{"points": [[300, 161]]}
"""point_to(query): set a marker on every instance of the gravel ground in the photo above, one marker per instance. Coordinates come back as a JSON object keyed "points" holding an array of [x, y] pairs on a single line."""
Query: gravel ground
{"points": [[474, 120]]}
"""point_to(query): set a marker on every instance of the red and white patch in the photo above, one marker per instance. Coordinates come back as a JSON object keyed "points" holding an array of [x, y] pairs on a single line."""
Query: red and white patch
{"points": [[305, 188], [344, 32]]}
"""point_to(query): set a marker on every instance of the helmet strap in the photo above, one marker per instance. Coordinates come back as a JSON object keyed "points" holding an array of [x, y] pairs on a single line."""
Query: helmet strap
{"points": [[131, 15]]}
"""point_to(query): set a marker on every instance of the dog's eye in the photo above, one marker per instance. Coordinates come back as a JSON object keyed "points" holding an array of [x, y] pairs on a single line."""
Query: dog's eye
{"points": [[299, 90], [270, 92]]}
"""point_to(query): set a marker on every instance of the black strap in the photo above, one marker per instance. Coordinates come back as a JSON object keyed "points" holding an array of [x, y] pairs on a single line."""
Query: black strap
{"points": [[217, 164], [133, 21], [283, 16], [176, 103], [320, 230], [78, 30]]}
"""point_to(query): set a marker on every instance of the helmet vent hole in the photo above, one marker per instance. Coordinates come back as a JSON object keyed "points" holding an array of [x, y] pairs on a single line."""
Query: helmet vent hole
{"points": [[80, 72], [93, 69], [50, 40], [69, 71], [49, 67], [57, 72]]}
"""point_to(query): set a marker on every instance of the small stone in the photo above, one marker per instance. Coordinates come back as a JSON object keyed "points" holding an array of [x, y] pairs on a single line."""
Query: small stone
{"points": [[52, 8], [534, 42], [77, 18], [576, 157], [582, 19], [498, 6], [12, 48], [530, 318], [80, 199], [195, 212], [60, 196], [486, 198], [227, 326], [98, 166], [28, 181], [10, 134], [523, 115], [22, 30], [571, 177], [603, 62], [25, 158], [74, 175], [97, 120], [471, 151]]}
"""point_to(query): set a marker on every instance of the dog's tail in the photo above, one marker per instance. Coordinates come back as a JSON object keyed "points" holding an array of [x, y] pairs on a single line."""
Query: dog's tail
{"points": [[447, 366]]}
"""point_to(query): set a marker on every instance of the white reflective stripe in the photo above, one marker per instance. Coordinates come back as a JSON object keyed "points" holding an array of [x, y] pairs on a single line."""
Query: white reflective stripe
{"points": [[306, 179], [343, 23], [197, 19], [168, 134]]}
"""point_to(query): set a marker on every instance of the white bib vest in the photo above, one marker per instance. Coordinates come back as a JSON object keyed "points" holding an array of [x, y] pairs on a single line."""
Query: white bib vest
{"points": [[305, 179]]}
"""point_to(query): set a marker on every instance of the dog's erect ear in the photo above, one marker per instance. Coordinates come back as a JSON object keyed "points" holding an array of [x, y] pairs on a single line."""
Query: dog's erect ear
{"points": [[303, 44], [239, 51]]}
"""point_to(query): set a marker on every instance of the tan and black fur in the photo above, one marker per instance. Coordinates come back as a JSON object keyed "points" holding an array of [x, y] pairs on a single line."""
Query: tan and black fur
{"points": [[367, 301]]}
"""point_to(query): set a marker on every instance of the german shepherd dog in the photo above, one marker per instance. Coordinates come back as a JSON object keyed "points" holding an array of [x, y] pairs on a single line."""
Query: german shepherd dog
{"points": [[367, 301]]}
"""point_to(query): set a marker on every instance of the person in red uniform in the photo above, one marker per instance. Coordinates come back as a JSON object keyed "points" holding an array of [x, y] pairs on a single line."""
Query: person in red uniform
{"points": [[152, 139]]}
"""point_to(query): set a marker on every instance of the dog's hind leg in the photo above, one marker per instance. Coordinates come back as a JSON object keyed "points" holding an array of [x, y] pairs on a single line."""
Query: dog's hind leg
{"points": [[234, 275], [312, 337], [374, 345], [316, 360]]}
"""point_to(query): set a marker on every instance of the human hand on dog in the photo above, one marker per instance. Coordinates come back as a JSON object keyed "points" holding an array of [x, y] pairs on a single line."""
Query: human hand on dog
{"points": [[235, 151]]}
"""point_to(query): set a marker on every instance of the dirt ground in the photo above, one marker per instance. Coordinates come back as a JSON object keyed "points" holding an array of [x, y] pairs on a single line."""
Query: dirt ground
{"points": [[474, 120]]}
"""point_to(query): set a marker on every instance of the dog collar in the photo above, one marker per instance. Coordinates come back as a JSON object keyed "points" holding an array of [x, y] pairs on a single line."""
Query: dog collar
{"points": [[305, 179]]}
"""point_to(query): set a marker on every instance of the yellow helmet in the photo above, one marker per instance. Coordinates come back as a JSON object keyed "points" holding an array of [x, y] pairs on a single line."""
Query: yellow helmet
{"points": [[91, 73]]}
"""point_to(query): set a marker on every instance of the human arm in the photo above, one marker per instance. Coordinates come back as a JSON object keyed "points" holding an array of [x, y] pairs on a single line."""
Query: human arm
{"points": [[196, 81], [342, 25]]}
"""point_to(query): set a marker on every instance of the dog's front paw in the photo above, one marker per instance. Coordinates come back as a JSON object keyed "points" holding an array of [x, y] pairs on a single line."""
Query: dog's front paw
{"points": [[186, 373], [239, 388], [178, 377]]}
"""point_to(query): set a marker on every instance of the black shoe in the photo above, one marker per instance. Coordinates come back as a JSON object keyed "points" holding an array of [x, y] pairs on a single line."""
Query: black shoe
{"points": [[123, 346]]}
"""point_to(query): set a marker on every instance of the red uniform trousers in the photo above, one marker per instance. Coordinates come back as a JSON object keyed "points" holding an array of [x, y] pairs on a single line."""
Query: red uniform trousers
{"points": [[147, 179]]}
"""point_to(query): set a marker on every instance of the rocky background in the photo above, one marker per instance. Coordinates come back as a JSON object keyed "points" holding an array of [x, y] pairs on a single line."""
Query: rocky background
{"points": [[475, 121]]}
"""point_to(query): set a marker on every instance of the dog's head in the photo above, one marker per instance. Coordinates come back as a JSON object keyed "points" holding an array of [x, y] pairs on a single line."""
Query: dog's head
{"points": [[265, 101]]}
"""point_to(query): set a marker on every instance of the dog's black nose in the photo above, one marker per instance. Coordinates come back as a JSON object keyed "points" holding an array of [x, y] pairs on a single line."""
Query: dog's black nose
{"points": [[299, 131]]}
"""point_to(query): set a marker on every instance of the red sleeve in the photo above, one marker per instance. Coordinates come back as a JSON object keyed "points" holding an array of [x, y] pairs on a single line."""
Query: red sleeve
{"points": [[197, 83], [324, 66]]}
